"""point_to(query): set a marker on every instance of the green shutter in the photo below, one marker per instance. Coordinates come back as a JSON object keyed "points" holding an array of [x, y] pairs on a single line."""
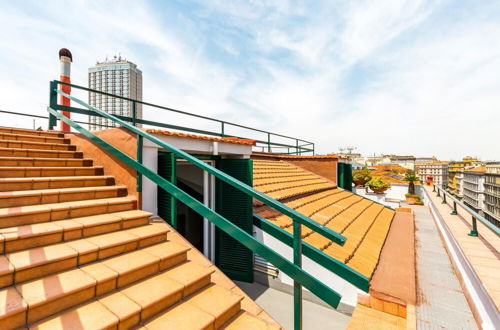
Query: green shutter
{"points": [[348, 177], [340, 175], [235, 260], [167, 204]]}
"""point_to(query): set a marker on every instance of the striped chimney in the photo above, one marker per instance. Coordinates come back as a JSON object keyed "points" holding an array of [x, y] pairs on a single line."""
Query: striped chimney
{"points": [[65, 59]]}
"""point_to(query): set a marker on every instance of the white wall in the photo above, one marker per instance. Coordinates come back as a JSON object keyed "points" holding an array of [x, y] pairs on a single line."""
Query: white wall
{"points": [[391, 196], [348, 291], [149, 189]]}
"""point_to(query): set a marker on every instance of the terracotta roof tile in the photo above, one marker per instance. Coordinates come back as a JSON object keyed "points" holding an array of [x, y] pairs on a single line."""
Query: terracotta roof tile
{"points": [[364, 223], [202, 137]]}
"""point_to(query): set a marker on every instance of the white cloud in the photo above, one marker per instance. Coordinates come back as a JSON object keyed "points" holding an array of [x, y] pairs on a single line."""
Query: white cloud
{"points": [[431, 87]]}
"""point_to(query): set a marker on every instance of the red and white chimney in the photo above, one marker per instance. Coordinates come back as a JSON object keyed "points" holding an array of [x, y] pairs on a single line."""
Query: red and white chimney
{"points": [[65, 59]]}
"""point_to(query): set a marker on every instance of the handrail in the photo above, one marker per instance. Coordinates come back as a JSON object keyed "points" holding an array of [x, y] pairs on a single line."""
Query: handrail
{"points": [[474, 214], [296, 216], [223, 123], [291, 269]]}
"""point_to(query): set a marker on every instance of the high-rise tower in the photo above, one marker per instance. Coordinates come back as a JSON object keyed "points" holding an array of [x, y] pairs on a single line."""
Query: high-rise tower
{"points": [[120, 77]]}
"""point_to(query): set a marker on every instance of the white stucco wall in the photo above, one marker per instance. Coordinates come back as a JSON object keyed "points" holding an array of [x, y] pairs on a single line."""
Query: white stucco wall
{"points": [[348, 291], [390, 196]]}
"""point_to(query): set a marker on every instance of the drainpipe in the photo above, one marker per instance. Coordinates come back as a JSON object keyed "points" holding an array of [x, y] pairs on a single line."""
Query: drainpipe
{"points": [[65, 59]]}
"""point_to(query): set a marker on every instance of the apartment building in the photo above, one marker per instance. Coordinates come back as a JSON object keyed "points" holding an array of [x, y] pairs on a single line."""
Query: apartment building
{"points": [[473, 188], [492, 193], [456, 174], [119, 77], [437, 170]]}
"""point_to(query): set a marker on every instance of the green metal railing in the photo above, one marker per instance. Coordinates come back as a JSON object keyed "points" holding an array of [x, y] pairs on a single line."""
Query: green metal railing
{"points": [[445, 195], [294, 147], [292, 269]]}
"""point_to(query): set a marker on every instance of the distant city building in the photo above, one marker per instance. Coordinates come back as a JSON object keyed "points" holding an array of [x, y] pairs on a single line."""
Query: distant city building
{"points": [[473, 188], [492, 193], [436, 169], [120, 77], [403, 161], [456, 174]]}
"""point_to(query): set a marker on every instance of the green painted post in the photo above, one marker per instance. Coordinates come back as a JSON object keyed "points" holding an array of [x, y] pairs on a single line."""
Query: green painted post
{"points": [[134, 114], [52, 104], [139, 160], [433, 188], [313, 150], [439, 193], [297, 288], [454, 212], [473, 232], [444, 199], [296, 146], [268, 142], [222, 129]]}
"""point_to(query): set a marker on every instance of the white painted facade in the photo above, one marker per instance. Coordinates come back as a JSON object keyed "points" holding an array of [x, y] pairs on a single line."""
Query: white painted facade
{"points": [[473, 190], [438, 171], [348, 291]]}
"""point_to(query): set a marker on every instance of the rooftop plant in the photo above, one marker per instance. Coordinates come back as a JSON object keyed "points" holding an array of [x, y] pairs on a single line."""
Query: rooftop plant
{"points": [[378, 184], [411, 178], [360, 177]]}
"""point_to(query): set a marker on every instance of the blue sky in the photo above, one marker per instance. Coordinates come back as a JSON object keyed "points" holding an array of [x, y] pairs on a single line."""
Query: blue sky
{"points": [[407, 77]]}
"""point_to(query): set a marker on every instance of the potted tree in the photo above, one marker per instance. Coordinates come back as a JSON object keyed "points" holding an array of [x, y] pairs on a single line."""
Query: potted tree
{"points": [[378, 185], [360, 177], [411, 197]]}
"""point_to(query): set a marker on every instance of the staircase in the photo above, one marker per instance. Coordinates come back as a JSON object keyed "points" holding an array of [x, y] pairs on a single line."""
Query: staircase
{"points": [[75, 252]]}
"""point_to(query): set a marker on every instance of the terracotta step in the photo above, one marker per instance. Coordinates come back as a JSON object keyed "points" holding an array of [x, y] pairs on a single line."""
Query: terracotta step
{"points": [[26, 131], [59, 195], [21, 172], [22, 183], [18, 152], [13, 309], [245, 320], [33, 138], [36, 145], [24, 215], [183, 316], [93, 315], [52, 294], [42, 261], [43, 162], [46, 233], [110, 275], [218, 302]]}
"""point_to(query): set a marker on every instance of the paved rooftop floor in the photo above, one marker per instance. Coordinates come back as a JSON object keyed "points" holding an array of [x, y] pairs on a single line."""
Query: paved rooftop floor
{"points": [[441, 303], [482, 252], [280, 306]]}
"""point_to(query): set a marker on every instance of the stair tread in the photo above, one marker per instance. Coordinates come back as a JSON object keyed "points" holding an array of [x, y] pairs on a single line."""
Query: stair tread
{"points": [[8, 194], [11, 302], [48, 144], [45, 228], [154, 289], [7, 211], [93, 315], [188, 274], [245, 320], [33, 132], [218, 302], [120, 305], [57, 178], [51, 287], [30, 136], [41, 255], [49, 151], [183, 315]]}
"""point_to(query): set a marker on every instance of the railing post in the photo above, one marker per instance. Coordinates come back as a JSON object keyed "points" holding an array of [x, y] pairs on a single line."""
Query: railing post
{"points": [[134, 115], [297, 288], [268, 142], [473, 231], [313, 150], [454, 212], [444, 199], [433, 188], [139, 160], [296, 146], [52, 104], [439, 192], [222, 129]]}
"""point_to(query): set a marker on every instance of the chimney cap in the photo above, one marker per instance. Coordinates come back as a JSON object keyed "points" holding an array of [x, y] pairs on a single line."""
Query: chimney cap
{"points": [[65, 52]]}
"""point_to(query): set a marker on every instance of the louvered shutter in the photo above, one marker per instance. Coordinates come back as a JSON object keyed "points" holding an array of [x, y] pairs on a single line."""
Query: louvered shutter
{"points": [[348, 177], [166, 203], [235, 260]]}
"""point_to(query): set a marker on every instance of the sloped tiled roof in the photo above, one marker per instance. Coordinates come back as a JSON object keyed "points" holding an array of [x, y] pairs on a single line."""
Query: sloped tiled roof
{"points": [[364, 223], [228, 139]]}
